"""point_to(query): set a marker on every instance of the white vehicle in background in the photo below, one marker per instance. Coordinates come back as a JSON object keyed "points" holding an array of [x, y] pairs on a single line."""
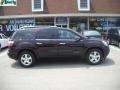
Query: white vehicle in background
{"points": [[3, 41]]}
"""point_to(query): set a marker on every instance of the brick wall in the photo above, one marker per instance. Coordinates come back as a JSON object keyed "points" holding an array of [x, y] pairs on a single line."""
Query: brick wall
{"points": [[62, 6]]}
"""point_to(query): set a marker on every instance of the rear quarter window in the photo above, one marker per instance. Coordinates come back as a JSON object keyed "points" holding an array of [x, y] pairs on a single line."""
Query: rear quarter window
{"points": [[23, 35]]}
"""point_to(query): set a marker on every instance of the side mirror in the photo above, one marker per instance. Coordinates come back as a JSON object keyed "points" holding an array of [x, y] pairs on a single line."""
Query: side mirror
{"points": [[77, 38]]}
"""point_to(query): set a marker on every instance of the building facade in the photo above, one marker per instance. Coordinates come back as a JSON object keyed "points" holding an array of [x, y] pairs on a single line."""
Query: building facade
{"points": [[98, 15]]}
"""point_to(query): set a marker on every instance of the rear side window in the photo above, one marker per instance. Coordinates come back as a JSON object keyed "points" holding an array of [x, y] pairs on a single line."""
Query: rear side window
{"points": [[21, 35], [47, 34]]}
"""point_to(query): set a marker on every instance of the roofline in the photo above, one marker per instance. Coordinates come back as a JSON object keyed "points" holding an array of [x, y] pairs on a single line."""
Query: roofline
{"points": [[61, 15]]}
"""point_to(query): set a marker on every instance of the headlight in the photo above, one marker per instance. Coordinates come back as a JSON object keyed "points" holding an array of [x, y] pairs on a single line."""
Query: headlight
{"points": [[105, 43]]}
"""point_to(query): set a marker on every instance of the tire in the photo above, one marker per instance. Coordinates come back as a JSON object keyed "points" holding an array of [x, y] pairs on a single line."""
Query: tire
{"points": [[26, 59], [94, 57]]}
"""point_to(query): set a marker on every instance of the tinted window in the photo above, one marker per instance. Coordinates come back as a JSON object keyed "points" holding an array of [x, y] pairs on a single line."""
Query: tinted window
{"points": [[65, 34], [91, 33], [47, 34], [20, 35]]}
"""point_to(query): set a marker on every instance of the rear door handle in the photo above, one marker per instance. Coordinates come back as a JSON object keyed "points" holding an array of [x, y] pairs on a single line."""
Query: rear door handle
{"points": [[62, 43]]}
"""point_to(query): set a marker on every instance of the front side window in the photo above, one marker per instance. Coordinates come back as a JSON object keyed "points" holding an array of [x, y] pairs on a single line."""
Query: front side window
{"points": [[37, 5], [65, 34], [83, 5]]}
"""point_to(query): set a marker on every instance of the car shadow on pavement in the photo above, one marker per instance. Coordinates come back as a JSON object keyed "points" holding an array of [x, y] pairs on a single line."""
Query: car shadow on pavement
{"points": [[63, 63], [3, 49]]}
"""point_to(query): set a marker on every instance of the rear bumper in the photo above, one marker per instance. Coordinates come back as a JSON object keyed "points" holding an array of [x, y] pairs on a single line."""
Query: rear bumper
{"points": [[12, 55]]}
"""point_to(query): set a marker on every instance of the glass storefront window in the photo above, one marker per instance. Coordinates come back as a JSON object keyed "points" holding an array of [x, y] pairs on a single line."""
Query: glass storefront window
{"points": [[61, 21], [44, 21], [104, 23], [78, 23]]}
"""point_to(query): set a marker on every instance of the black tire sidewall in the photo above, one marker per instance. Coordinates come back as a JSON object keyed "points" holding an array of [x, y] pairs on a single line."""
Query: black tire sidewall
{"points": [[101, 57], [26, 52]]}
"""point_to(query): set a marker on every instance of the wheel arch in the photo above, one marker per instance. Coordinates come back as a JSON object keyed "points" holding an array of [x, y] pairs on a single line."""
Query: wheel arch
{"points": [[94, 48], [26, 50]]}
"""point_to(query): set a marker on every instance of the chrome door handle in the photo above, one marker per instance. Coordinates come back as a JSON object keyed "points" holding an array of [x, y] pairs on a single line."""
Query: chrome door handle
{"points": [[39, 43], [62, 43]]}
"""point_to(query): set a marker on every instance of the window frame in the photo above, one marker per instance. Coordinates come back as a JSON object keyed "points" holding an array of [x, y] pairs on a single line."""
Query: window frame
{"points": [[40, 9], [83, 9]]}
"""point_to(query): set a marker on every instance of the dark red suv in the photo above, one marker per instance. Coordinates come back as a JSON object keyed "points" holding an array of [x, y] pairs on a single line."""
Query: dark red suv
{"points": [[27, 46]]}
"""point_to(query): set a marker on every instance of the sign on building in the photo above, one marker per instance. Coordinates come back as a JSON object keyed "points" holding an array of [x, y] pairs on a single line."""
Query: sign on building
{"points": [[8, 2], [9, 26]]}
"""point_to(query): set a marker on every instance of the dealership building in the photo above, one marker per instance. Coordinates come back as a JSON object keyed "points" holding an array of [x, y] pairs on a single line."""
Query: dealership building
{"points": [[98, 15]]}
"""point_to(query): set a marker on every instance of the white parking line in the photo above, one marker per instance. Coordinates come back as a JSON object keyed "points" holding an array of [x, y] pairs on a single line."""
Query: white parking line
{"points": [[115, 48]]}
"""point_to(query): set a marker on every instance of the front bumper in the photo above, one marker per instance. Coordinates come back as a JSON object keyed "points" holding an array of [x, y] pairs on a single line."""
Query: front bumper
{"points": [[106, 51]]}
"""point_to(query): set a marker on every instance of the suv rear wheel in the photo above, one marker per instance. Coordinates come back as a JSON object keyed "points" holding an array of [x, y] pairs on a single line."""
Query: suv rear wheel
{"points": [[26, 59], [94, 56]]}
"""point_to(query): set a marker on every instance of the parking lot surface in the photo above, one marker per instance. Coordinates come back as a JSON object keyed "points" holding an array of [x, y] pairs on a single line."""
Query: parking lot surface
{"points": [[61, 74]]}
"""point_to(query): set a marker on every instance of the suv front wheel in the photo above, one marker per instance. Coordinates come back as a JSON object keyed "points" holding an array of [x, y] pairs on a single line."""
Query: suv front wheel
{"points": [[26, 59], [94, 56]]}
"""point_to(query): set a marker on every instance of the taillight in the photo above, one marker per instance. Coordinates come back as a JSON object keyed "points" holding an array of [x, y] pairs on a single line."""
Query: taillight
{"points": [[10, 43]]}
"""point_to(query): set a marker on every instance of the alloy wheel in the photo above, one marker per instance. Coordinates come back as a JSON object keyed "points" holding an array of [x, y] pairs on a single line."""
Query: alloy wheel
{"points": [[94, 57], [26, 59]]}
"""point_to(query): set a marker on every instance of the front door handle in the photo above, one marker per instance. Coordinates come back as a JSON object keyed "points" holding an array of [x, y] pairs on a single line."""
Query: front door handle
{"points": [[39, 43], [62, 43]]}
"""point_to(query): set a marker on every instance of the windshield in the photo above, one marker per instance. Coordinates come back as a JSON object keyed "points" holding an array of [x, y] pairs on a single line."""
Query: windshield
{"points": [[91, 33]]}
